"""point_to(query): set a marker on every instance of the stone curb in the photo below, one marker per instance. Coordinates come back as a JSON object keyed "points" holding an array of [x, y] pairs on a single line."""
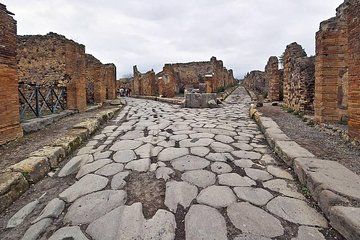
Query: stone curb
{"points": [[17, 178], [161, 99], [333, 186]]}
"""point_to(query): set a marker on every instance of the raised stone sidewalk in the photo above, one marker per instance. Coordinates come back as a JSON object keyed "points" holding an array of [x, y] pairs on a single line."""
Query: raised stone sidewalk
{"points": [[15, 179], [333, 186]]}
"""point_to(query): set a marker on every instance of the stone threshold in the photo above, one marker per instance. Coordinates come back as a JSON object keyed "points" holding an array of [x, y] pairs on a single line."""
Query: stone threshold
{"points": [[335, 188], [16, 179]]}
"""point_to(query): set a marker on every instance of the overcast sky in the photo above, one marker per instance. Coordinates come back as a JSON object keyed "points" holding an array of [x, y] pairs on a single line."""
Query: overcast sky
{"points": [[149, 33]]}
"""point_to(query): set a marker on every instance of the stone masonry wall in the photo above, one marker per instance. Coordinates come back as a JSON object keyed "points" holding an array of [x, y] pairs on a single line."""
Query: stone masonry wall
{"points": [[256, 81], [167, 82], [332, 69], [273, 78], [354, 69], [299, 78], [10, 128], [53, 59], [110, 80], [144, 84], [95, 81]]}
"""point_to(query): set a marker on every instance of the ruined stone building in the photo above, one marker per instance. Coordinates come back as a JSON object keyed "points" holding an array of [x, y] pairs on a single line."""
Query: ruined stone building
{"points": [[144, 84], [95, 80], [256, 81], [274, 79], [9, 99]]}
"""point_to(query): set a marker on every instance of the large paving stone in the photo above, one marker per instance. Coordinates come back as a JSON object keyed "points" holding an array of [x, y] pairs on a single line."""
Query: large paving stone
{"points": [[296, 211], [256, 196], [216, 196], [52, 210], [110, 169], [247, 236], [346, 220], [243, 146], [203, 222], [118, 181], [196, 142], [279, 173], [181, 193], [290, 150], [254, 220], [200, 178], [88, 184], [145, 150], [219, 157], [126, 145], [286, 188], [244, 163], [171, 153], [164, 173], [246, 155], [35, 230], [73, 233], [33, 168], [322, 174], [91, 167], [124, 156], [221, 147], [202, 135], [189, 162], [220, 167], [199, 151], [141, 165], [20, 215], [309, 233], [257, 174], [224, 139], [235, 180], [74, 165], [92, 206], [128, 222]]}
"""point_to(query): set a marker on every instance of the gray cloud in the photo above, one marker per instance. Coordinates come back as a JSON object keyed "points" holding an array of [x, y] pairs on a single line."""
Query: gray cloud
{"points": [[243, 33]]}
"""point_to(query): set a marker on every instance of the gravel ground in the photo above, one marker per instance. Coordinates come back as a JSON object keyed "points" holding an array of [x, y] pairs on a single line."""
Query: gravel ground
{"points": [[321, 144]]}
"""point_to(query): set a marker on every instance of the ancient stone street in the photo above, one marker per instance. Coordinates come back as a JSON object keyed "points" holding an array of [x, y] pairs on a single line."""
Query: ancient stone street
{"points": [[165, 172]]}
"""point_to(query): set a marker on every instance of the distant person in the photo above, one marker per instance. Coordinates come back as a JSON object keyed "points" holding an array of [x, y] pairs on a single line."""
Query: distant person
{"points": [[129, 92]]}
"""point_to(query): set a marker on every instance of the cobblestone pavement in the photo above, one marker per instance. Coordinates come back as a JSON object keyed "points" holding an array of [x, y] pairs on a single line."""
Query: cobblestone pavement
{"points": [[165, 172]]}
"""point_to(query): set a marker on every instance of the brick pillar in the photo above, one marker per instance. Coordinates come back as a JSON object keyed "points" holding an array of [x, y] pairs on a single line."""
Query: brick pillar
{"points": [[273, 78], [330, 68], [167, 83], [354, 70], [75, 67], [110, 80], [10, 128], [99, 84]]}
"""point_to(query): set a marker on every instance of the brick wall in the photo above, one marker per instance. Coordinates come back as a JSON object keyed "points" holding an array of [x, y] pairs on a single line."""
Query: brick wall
{"points": [[167, 82], [273, 78], [110, 80], [144, 84], [9, 99], [299, 78], [354, 69], [332, 69], [95, 80]]}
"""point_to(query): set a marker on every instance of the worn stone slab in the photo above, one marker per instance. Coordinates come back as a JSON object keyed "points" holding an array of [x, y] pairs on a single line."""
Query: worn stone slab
{"points": [[221, 147], [203, 222], [220, 167], [12, 185], [91, 167], [202, 135], [322, 175], [279, 173], [52, 210], [244, 163], [242, 146], [74, 233], [141, 165], [246, 155], [346, 220], [33, 168], [132, 135], [200, 178], [224, 139], [92, 206], [110, 169], [20, 215], [266, 159], [102, 155], [181, 193], [74, 165], [247, 236], [124, 156], [126, 145], [54, 154], [256, 196], [118, 181], [216, 196], [290, 150], [309, 233], [196, 142], [286, 188], [128, 222], [235, 180], [257, 174], [164, 173], [189, 162], [145, 150], [199, 151], [254, 220], [296, 211], [171, 153], [88, 184], [35, 230]]}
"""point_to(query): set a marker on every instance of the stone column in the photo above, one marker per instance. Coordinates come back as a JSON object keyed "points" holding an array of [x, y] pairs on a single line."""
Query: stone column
{"points": [[354, 69], [10, 128]]}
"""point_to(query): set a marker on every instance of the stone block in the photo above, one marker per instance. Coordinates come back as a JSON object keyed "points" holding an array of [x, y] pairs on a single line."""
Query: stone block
{"points": [[346, 220], [33, 168], [54, 155], [12, 185]]}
